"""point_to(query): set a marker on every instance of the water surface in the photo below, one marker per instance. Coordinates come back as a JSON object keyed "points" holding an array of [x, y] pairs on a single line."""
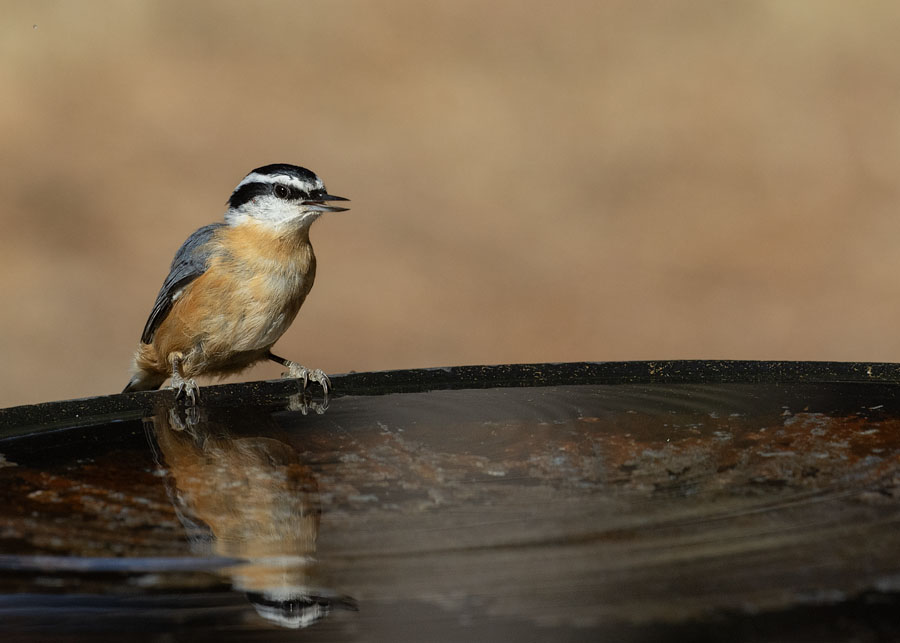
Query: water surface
{"points": [[634, 511]]}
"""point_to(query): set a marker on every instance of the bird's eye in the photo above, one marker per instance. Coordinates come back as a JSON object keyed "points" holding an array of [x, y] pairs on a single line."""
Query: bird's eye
{"points": [[282, 192]]}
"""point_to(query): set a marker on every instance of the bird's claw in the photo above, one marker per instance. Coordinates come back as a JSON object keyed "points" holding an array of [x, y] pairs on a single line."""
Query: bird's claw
{"points": [[316, 375], [186, 389]]}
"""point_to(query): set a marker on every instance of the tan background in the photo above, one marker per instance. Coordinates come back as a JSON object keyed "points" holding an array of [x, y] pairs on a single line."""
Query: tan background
{"points": [[531, 181]]}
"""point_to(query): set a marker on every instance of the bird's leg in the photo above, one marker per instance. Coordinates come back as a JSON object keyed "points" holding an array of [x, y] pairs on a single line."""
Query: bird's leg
{"points": [[183, 388], [299, 372]]}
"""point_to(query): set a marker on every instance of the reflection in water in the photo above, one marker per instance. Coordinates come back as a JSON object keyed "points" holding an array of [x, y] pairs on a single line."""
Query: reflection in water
{"points": [[247, 497]]}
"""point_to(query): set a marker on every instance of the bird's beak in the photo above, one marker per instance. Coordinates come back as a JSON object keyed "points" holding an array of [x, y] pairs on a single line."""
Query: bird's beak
{"points": [[318, 204]]}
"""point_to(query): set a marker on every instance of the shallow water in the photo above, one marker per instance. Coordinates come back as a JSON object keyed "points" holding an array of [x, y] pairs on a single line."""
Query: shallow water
{"points": [[633, 511]]}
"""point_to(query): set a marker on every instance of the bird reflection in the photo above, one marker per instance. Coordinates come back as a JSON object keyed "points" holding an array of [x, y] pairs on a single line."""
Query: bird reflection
{"points": [[242, 494]]}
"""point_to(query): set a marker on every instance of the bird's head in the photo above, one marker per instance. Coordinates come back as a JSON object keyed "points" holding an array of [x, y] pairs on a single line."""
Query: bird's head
{"points": [[282, 196]]}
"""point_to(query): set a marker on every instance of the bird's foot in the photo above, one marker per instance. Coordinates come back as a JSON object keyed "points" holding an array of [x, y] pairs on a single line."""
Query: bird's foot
{"points": [[316, 375], [186, 389]]}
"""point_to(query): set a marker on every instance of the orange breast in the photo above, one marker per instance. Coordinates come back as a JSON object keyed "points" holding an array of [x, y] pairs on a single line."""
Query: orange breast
{"points": [[227, 318]]}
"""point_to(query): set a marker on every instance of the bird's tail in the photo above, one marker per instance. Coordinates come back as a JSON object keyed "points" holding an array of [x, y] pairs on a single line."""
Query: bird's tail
{"points": [[144, 381]]}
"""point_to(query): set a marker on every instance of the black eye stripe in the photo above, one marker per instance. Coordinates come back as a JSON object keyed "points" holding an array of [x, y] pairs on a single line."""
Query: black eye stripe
{"points": [[247, 192], [250, 191], [293, 192]]}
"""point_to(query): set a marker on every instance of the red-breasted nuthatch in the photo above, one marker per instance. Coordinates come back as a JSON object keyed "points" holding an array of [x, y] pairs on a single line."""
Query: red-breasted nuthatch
{"points": [[235, 287]]}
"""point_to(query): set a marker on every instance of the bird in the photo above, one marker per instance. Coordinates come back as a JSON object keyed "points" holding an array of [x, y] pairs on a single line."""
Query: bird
{"points": [[234, 287]]}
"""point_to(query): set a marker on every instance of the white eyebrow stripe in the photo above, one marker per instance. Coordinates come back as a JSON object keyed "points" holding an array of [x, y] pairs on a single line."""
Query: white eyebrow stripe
{"points": [[284, 179]]}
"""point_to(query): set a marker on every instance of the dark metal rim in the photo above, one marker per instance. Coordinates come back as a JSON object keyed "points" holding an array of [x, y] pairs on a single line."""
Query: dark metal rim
{"points": [[134, 405]]}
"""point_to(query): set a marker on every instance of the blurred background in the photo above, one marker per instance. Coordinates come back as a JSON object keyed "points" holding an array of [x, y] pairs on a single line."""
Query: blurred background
{"points": [[530, 181]]}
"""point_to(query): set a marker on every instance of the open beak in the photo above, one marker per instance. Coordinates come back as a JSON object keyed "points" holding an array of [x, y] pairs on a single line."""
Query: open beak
{"points": [[318, 204]]}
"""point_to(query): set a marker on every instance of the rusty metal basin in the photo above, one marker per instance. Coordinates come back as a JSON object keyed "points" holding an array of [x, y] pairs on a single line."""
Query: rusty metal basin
{"points": [[639, 501]]}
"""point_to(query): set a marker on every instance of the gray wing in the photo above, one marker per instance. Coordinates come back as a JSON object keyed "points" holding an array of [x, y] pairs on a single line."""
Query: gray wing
{"points": [[190, 262]]}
